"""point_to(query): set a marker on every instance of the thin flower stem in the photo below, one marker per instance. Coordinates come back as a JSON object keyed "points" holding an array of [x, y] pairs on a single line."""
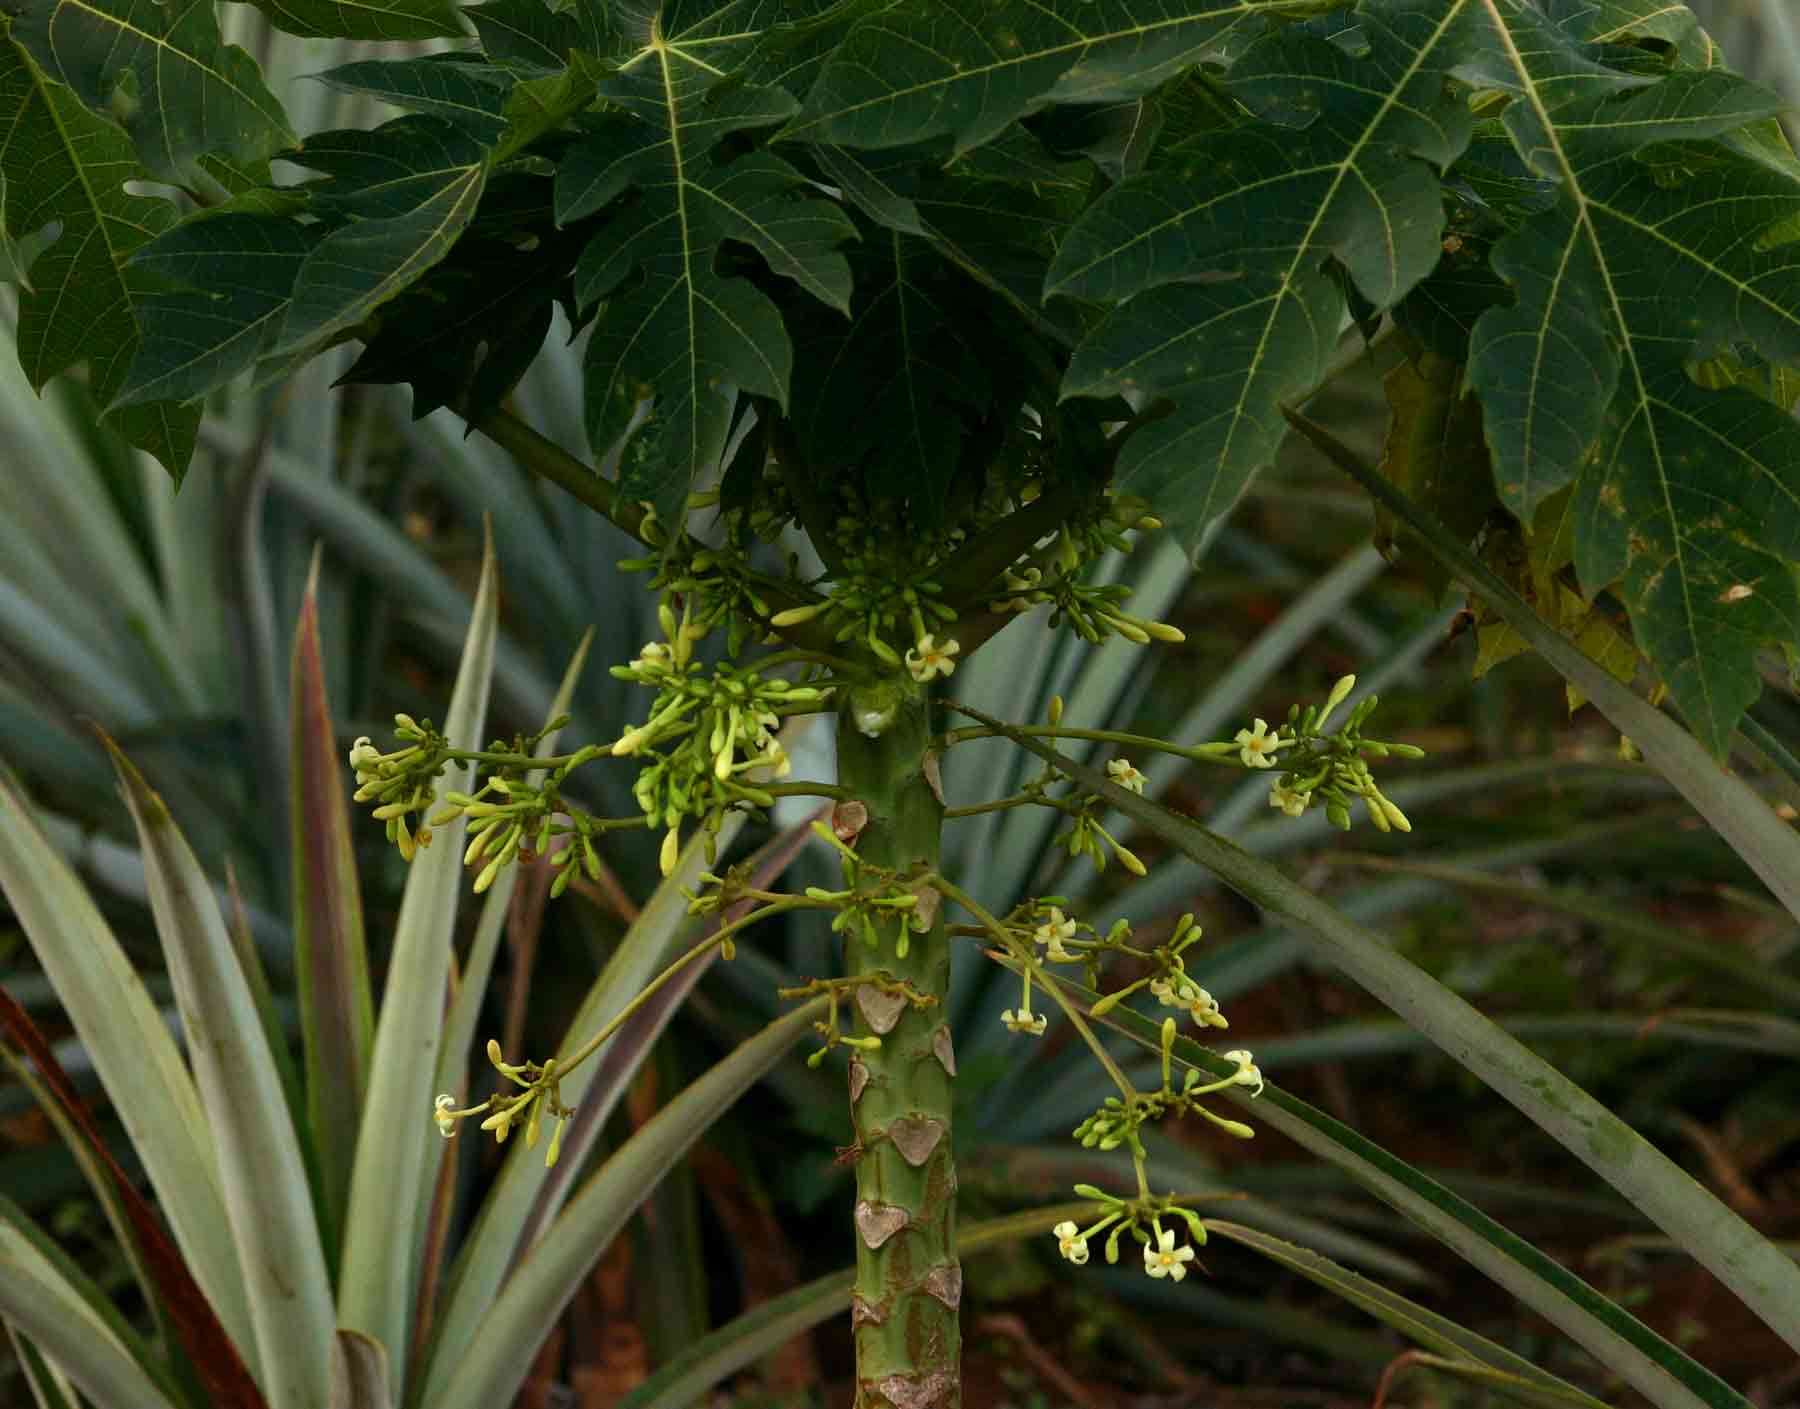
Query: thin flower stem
{"points": [[806, 788], [1030, 965], [515, 760], [1201, 753], [712, 941], [999, 805], [798, 656]]}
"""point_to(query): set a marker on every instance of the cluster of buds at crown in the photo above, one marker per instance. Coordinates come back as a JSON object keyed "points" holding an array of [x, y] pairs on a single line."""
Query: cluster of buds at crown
{"points": [[1106, 525], [1143, 1220], [401, 784], [1327, 768], [539, 1096], [715, 584], [710, 738], [1092, 612], [875, 603]]}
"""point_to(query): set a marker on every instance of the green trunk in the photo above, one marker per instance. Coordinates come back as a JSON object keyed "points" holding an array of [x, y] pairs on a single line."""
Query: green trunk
{"points": [[908, 1280]]}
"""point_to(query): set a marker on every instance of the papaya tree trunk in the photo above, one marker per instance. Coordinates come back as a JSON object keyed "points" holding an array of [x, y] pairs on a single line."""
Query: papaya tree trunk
{"points": [[908, 1280]]}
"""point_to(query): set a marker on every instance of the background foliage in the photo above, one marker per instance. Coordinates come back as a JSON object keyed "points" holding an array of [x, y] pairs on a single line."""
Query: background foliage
{"points": [[1567, 896]]}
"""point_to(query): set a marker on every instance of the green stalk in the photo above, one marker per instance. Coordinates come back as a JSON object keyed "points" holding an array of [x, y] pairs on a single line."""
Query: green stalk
{"points": [[908, 1279]]}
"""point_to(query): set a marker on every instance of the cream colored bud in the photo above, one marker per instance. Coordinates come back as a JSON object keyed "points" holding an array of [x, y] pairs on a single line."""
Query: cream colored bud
{"points": [[796, 616]]}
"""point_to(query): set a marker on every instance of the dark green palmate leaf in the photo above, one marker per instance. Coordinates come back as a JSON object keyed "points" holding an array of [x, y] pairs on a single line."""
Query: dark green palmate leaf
{"points": [[225, 286], [934, 68], [454, 86], [465, 333], [1689, 499], [906, 362], [252, 289], [179, 91], [1221, 247], [531, 37], [938, 368], [677, 331], [365, 19], [67, 169]]}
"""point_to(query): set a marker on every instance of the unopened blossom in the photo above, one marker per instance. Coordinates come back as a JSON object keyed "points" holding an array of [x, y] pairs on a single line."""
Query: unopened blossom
{"points": [[1163, 1259]]}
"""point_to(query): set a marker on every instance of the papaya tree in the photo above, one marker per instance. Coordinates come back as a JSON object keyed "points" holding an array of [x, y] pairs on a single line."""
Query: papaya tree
{"points": [[898, 314]]}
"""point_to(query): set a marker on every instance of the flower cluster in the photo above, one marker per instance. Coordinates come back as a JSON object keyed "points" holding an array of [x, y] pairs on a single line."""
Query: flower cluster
{"points": [[717, 584], [1093, 612], [1142, 1218], [875, 900], [884, 591], [539, 1096], [1043, 924], [401, 784], [1118, 1121], [1051, 574], [1325, 767], [710, 736], [1182, 993], [512, 819], [1167, 979]]}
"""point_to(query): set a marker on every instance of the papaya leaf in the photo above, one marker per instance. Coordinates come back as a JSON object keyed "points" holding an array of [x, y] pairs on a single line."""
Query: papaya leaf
{"points": [[906, 73], [470, 94], [224, 285], [676, 330], [179, 91], [382, 20], [1689, 499], [527, 35], [66, 169], [1345, 166], [465, 333], [263, 290], [909, 365]]}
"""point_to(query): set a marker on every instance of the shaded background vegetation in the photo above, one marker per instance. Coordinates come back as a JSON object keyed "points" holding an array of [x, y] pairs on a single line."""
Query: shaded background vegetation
{"points": [[1563, 889]]}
